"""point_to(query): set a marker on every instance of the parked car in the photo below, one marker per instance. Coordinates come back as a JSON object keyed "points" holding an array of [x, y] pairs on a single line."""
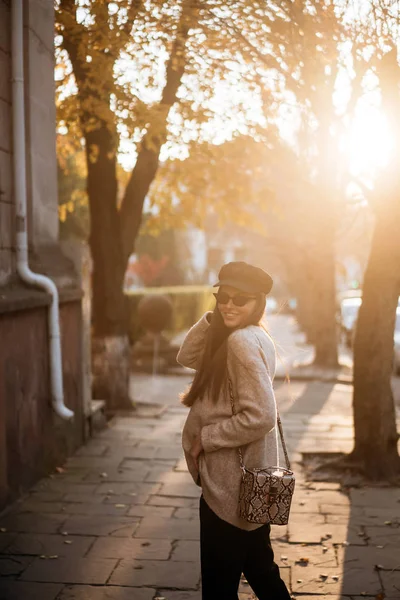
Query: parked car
{"points": [[349, 308], [396, 360]]}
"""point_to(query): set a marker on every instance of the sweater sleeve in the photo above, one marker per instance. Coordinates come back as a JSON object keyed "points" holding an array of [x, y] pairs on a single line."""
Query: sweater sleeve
{"points": [[191, 351], [254, 397]]}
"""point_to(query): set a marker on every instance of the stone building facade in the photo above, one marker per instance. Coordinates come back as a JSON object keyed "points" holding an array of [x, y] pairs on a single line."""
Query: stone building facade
{"points": [[33, 439]]}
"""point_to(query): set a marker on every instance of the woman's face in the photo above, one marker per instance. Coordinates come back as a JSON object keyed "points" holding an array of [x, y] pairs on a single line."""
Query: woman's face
{"points": [[235, 316]]}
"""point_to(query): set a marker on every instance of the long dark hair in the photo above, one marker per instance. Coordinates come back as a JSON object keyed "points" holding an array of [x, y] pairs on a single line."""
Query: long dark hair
{"points": [[212, 372]]}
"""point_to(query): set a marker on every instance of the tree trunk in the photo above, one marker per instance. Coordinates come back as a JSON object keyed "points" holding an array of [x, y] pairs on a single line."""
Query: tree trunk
{"points": [[110, 345], [375, 435], [324, 294], [301, 277]]}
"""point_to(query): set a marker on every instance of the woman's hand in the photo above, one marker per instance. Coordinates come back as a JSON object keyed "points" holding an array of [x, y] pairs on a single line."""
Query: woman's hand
{"points": [[196, 449]]}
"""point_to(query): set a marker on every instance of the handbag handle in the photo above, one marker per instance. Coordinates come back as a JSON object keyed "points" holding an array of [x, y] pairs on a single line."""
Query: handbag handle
{"points": [[279, 427]]}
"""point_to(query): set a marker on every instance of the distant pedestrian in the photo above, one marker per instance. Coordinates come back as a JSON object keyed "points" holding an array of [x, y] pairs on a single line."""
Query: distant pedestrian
{"points": [[229, 348]]}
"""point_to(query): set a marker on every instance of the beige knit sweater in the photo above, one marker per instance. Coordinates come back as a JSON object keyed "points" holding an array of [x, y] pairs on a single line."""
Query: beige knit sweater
{"points": [[251, 367]]}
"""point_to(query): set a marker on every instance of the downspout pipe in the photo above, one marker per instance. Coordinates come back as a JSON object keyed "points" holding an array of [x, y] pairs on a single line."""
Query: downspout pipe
{"points": [[19, 160]]}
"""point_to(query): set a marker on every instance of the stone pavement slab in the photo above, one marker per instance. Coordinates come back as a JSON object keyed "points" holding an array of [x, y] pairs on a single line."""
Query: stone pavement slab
{"points": [[173, 595], [186, 513], [391, 583], [185, 550], [314, 532], [89, 500], [106, 525], [87, 592], [107, 547], [152, 573], [172, 501], [387, 557], [6, 539], [172, 529], [330, 597], [383, 536], [21, 590], [330, 580], [360, 581], [163, 512], [109, 488], [49, 545], [32, 523], [382, 497], [70, 570], [13, 566], [317, 555]]}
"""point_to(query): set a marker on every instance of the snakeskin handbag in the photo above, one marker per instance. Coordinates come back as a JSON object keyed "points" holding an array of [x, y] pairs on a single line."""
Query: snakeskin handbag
{"points": [[265, 494]]}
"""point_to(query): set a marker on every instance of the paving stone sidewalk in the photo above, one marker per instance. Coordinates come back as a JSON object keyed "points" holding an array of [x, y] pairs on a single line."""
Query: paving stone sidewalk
{"points": [[119, 521]]}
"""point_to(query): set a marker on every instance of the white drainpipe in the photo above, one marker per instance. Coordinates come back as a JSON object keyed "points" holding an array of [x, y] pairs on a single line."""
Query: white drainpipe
{"points": [[19, 160]]}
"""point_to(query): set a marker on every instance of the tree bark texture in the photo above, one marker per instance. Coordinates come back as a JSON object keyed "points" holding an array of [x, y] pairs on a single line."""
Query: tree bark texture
{"points": [[301, 276], [375, 434], [323, 285], [110, 346]]}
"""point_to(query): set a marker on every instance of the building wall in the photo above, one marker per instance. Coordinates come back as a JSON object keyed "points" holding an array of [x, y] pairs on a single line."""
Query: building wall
{"points": [[33, 440], [41, 121], [7, 259]]}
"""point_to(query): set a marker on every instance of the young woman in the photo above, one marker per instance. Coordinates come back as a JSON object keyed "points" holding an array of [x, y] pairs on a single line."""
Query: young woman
{"points": [[230, 345]]}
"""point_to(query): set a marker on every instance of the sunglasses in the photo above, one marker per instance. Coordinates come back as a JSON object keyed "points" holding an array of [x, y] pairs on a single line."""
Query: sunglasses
{"points": [[239, 300]]}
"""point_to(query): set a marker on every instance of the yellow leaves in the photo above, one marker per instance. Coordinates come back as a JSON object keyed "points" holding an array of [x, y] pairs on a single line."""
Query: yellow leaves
{"points": [[62, 213], [93, 153], [78, 199], [228, 181]]}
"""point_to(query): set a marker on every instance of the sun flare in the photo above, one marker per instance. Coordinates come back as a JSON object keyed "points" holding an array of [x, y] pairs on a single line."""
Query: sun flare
{"points": [[368, 146]]}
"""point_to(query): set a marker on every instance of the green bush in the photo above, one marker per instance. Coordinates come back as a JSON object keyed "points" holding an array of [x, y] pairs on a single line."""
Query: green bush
{"points": [[189, 303]]}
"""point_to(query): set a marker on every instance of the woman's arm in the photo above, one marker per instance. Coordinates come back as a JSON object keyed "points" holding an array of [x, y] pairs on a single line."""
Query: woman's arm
{"points": [[192, 347], [254, 398]]}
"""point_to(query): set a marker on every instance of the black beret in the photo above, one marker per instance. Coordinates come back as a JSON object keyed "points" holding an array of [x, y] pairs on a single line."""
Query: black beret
{"points": [[245, 277]]}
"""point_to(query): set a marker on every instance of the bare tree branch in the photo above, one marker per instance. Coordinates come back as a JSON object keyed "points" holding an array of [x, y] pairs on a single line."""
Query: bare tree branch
{"points": [[148, 158]]}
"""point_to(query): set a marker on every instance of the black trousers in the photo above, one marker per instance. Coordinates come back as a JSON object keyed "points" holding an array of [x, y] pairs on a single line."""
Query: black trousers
{"points": [[227, 552]]}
